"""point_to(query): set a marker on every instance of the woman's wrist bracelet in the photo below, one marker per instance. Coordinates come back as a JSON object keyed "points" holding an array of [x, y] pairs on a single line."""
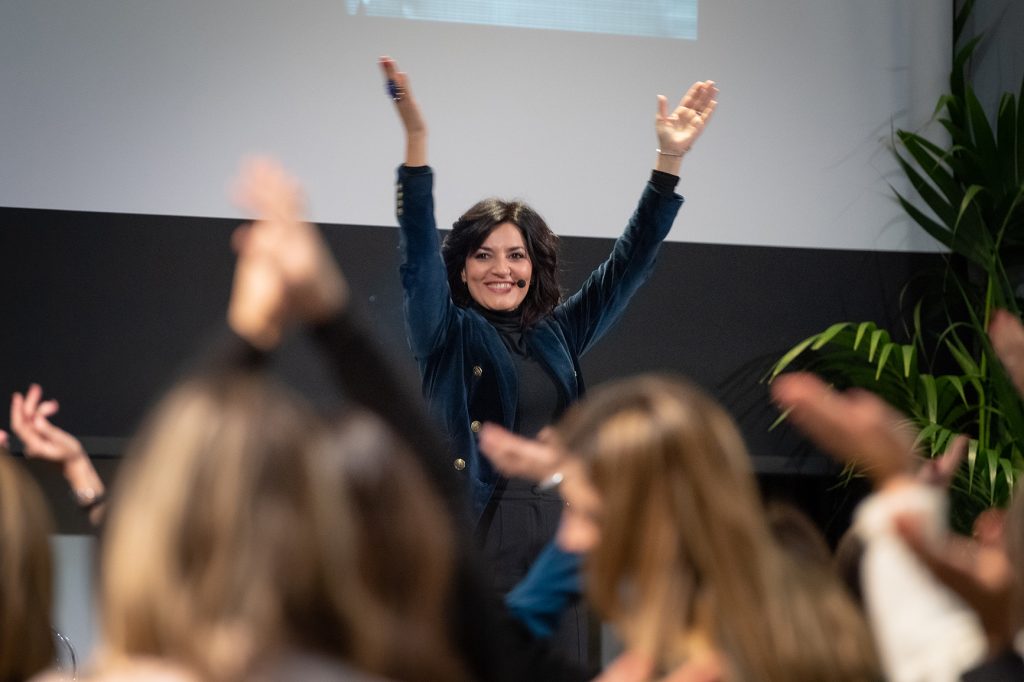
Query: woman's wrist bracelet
{"points": [[671, 154]]}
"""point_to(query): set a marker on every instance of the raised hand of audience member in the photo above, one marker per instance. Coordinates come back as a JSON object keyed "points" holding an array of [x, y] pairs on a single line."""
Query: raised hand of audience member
{"points": [[30, 421], [285, 268], [514, 455], [856, 427], [923, 630], [544, 461], [979, 570]]}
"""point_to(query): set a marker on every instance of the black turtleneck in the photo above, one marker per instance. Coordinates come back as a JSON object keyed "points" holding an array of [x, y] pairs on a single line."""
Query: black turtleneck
{"points": [[540, 401]]}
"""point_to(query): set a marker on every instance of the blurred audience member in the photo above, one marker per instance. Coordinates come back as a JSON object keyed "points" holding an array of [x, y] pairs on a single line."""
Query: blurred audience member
{"points": [[26, 574], [681, 560]]}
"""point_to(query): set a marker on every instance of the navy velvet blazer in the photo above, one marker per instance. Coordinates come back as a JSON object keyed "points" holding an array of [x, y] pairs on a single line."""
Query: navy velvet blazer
{"points": [[468, 375]]}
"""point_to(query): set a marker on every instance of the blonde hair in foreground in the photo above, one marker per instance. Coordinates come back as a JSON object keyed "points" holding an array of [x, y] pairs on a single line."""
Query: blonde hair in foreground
{"points": [[686, 554], [26, 574], [227, 542]]}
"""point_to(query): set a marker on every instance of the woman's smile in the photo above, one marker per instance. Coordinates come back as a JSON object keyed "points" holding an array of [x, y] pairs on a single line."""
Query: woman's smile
{"points": [[492, 272]]}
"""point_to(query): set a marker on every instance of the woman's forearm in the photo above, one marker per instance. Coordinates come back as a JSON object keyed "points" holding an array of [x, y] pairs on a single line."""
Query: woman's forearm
{"points": [[416, 149]]}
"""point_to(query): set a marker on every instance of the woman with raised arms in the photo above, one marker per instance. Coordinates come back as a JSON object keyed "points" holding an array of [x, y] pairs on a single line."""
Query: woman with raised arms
{"points": [[496, 342]]}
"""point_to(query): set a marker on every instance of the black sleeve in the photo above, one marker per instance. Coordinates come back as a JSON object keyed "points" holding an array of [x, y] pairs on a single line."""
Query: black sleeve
{"points": [[226, 352], [664, 182], [367, 378]]}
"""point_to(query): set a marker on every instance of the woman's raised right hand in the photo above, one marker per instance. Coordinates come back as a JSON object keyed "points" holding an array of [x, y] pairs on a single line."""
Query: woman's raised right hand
{"points": [[408, 112]]}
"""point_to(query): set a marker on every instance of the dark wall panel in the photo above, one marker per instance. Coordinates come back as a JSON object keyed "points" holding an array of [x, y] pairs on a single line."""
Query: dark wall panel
{"points": [[104, 310]]}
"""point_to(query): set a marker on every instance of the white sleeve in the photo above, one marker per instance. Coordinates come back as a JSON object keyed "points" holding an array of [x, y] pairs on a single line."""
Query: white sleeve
{"points": [[924, 632]]}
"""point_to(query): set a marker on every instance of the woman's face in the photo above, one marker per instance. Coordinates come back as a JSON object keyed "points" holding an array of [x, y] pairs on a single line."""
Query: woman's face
{"points": [[492, 271]]}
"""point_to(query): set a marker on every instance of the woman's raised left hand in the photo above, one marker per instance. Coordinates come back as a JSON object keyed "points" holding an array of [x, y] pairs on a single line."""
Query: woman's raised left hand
{"points": [[678, 131]]}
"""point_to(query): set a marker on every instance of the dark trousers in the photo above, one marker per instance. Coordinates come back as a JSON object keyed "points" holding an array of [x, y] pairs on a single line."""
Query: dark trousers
{"points": [[517, 524]]}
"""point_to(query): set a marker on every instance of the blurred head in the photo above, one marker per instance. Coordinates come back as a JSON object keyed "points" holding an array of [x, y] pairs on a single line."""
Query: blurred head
{"points": [[797, 535], [682, 547], [679, 516], [26, 574], [404, 544], [491, 247], [847, 561], [227, 540]]}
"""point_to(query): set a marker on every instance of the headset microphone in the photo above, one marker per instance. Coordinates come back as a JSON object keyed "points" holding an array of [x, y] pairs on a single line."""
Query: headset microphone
{"points": [[521, 284]]}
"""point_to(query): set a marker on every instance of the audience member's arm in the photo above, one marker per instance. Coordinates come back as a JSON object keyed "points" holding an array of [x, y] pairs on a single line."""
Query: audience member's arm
{"points": [[367, 378], [542, 460], [923, 630], [286, 273], [30, 420], [980, 570]]}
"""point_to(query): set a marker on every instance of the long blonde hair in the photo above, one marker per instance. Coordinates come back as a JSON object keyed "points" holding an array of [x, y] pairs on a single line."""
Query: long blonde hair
{"points": [[26, 574], [685, 549], [226, 542]]}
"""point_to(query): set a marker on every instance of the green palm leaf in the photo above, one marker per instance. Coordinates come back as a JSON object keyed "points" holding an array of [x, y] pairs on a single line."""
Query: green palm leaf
{"points": [[968, 196]]}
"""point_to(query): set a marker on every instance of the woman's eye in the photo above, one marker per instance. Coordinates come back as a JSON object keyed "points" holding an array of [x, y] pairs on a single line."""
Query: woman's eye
{"points": [[518, 256], [480, 255]]}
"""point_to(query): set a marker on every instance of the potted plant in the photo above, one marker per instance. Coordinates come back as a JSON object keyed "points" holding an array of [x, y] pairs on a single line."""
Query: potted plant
{"points": [[946, 378]]}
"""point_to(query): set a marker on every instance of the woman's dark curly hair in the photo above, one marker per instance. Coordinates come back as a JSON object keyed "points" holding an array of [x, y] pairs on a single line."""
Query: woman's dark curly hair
{"points": [[472, 229]]}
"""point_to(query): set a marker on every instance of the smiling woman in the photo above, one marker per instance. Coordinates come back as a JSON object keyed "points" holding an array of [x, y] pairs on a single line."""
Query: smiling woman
{"points": [[498, 273], [498, 243], [494, 340]]}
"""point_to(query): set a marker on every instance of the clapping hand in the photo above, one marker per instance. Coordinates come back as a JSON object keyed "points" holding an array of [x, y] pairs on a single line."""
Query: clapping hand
{"points": [[30, 420], [859, 428], [285, 269], [979, 569], [856, 427], [514, 455]]}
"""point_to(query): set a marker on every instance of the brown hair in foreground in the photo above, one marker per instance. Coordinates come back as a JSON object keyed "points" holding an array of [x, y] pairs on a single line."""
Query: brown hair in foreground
{"points": [[26, 574], [686, 555], [234, 539]]}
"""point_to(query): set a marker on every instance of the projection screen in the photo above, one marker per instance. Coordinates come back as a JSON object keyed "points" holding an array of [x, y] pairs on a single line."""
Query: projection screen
{"points": [[146, 106]]}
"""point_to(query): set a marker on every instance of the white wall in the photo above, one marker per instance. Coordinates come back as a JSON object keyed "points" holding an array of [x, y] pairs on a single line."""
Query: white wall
{"points": [[146, 106]]}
